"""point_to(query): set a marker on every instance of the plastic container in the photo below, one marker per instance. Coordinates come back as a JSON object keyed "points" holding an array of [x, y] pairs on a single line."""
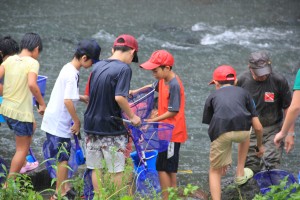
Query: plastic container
{"points": [[151, 157], [2, 120], [42, 83], [299, 178]]}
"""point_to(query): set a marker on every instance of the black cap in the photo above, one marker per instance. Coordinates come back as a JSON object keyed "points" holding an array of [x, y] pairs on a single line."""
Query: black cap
{"points": [[91, 48]]}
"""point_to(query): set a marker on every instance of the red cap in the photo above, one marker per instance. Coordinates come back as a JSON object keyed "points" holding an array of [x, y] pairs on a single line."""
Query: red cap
{"points": [[158, 58], [129, 41], [222, 72]]}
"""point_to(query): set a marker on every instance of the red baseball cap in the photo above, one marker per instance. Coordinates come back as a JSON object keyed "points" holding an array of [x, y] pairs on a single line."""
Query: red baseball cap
{"points": [[158, 58], [129, 41], [222, 73]]}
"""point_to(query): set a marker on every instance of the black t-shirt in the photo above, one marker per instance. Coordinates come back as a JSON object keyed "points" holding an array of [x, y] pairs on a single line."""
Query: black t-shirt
{"points": [[229, 108], [270, 96], [108, 79]]}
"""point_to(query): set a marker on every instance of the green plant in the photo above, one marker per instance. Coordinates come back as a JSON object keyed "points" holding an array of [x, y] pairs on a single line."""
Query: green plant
{"points": [[181, 193], [281, 191]]}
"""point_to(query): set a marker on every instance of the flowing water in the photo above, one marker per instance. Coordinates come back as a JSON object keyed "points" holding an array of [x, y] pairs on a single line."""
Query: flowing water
{"points": [[201, 34]]}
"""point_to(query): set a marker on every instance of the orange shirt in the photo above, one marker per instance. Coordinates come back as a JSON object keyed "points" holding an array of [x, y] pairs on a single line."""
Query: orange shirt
{"points": [[179, 133]]}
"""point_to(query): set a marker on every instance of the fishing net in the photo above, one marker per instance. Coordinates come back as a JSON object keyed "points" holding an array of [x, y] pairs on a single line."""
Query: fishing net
{"points": [[141, 103], [51, 162], [265, 179], [147, 182], [88, 189], [152, 136]]}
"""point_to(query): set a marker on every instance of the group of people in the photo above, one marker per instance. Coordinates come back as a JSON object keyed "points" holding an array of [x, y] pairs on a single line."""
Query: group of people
{"points": [[106, 95], [249, 109], [258, 100]]}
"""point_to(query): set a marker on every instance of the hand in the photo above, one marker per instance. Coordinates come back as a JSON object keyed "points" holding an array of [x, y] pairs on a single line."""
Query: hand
{"points": [[277, 139], [75, 129], [41, 109], [289, 143], [149, 120], [260, 152], [84, 98], [135, 120]]}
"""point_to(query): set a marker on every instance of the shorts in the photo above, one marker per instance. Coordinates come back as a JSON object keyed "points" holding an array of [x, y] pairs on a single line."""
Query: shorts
{"points": [[106, 152], [163, 163], [20, 128], [58, 145], [221, 148]]}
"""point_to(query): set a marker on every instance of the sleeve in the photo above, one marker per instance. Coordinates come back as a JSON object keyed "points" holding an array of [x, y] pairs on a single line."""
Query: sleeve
{"points": [[72, 89], [174, 99], [297, 81], [208, 111], [123, 83], [285, 94], [34, 66]]}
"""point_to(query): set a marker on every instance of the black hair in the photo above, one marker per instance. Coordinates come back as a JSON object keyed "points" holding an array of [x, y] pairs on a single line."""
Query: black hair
{"points": [[231, 82], [78, 54], [8, 46], [163, 67], [30, 41], [121, 48]]}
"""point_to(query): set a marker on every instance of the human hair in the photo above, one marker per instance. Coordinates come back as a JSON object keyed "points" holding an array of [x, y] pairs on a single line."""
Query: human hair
{"points": [[163, 67], [30, 41], [8, 46], [121, 48], [78, 54], [231, 82]]}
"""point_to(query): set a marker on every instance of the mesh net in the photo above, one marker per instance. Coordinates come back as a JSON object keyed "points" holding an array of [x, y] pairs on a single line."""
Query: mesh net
{"points": [[141, 103], [265, 179], [51, 162], [147, 183], [88, 189], [152, 136]]}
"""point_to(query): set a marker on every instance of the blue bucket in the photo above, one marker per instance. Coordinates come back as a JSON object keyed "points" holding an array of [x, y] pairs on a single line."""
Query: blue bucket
{"points": [[151, 157], [1, 116], [42, 83]]}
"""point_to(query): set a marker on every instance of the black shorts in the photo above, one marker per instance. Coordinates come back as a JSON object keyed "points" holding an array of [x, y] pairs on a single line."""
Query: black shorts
{"points": [[171, 164]]}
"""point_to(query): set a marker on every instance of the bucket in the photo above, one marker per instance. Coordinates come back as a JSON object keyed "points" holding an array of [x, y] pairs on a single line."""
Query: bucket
{"points": [[151, 157], [42, 82], [1, 116]]}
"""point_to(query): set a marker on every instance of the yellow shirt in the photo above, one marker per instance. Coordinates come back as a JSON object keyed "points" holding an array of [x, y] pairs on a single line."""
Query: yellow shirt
{"points": [[17, 97]]}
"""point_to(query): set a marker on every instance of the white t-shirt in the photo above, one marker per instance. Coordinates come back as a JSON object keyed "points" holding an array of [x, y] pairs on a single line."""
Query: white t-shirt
{"points": [[57, 120]]}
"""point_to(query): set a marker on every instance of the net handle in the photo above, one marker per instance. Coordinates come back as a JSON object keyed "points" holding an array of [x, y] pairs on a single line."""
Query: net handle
{"points": [[142, 98]]}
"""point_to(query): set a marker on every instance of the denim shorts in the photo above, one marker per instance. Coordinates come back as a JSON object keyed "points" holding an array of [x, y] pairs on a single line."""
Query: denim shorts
{"points": [[58, 145], [20, 128]]}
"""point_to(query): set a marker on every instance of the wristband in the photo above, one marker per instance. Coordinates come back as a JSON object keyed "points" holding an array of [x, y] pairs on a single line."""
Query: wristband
{"points": [[291, 134]]}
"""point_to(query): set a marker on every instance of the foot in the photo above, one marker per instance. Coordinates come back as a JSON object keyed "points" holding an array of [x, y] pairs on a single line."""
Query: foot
{"points": [[29, 166], [248, 173]]}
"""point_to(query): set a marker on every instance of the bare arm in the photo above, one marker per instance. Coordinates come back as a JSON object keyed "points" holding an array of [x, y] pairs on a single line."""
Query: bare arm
{"points": [[2, 70], [123, 103], [34, 88], [131, 92], [259, 135], [166, 115], [71, 109]]}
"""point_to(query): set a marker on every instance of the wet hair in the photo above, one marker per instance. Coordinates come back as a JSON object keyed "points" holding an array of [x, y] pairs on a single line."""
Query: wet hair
{"points": [[121, 48], [30, 41], [8, 46], [231, 82]]}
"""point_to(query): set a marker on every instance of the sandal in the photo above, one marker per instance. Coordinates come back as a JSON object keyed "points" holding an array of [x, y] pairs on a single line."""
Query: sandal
{"points": [[248, 173], [53, 197]]}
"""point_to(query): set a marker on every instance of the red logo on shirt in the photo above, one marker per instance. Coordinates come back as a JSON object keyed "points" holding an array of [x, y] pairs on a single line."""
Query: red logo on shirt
{"points": [[269, 97]]}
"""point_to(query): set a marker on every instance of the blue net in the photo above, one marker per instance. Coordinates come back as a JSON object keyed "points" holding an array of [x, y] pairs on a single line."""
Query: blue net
{"points": [[51, 162], [3, 170], [141, 103], [88, 189], [147, 183], [152, 136], [265, 179]]}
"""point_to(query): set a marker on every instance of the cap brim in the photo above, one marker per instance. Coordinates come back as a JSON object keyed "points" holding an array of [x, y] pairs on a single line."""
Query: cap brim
{"points": [[149, 65], [262, 71]]}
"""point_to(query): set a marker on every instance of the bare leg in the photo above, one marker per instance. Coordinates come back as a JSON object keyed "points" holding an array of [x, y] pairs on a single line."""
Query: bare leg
{"points": [[173, 179], [243, 148], [22, 148], [215, 182], [96, 177], [165, 183], [117, 178], [62, 175]]}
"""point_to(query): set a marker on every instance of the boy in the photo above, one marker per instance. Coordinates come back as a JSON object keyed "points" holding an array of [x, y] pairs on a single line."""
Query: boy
{"points": [[108, 86], [61, 110], [20, 74], [171, 102], [230, 112]]}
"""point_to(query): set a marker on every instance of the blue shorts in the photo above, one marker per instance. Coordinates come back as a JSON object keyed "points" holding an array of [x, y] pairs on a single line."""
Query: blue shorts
{"points": [[20, 128], [58, 147]]}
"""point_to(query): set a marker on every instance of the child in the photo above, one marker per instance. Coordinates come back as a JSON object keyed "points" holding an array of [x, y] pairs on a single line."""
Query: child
{"points": [[61, 111], [171, 102], [230, 112], [20, 74]]}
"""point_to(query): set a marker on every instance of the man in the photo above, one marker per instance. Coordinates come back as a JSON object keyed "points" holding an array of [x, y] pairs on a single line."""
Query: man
{"points": [[109, 85], [272, 96]]}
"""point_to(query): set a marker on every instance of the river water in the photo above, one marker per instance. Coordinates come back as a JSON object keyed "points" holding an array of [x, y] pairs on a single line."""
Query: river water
{"points": [[201, 34]]}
